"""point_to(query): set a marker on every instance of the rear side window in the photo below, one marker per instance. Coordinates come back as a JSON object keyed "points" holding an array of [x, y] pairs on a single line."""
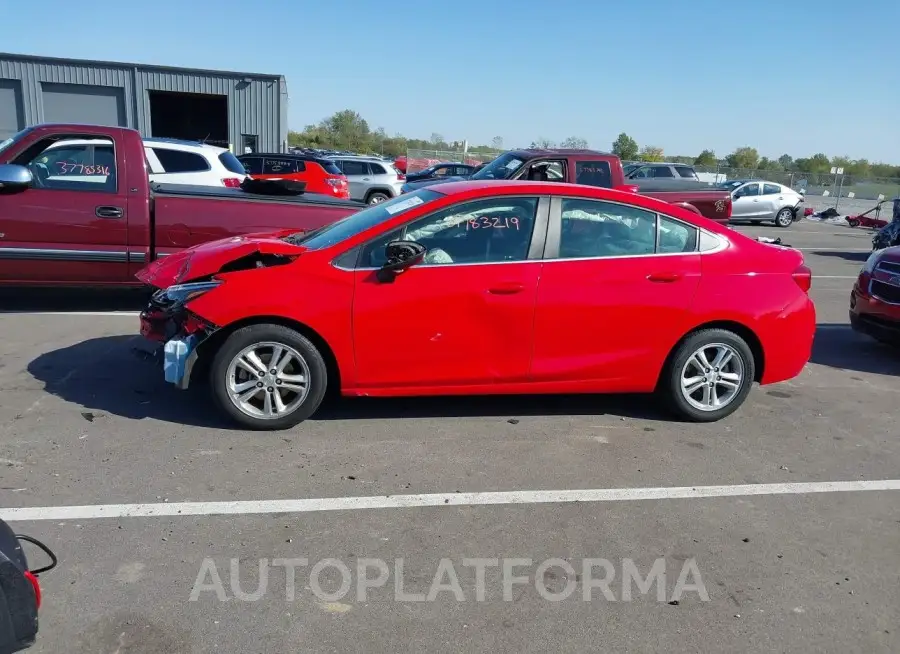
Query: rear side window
{"points": [[676, 237], [279, 166], [771, 189], [377, 169], [684, 171], [329, 167], [253, 165], [231, 163], [593, 173], [662, 171], [176, 161]]}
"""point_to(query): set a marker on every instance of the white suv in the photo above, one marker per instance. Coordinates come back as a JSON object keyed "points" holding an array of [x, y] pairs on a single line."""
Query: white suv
{"points": [[186, 162], [170, 161]]}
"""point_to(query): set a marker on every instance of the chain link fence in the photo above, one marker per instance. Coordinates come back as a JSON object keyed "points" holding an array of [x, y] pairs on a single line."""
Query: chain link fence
{"points": [[420, 159]]}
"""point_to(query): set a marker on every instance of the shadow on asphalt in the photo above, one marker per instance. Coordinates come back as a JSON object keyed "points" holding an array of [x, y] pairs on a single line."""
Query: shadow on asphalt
{"points": [[848, 256], [838, 346], [60, 299], [117, 375]]}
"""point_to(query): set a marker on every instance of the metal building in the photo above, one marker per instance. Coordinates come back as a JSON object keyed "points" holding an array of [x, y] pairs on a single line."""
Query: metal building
{"points": [[236, 110]]}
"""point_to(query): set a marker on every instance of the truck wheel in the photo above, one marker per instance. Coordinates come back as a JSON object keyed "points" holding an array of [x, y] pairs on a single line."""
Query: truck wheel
{"points": [[784, 218], [268, 377], [709, 375], [377, 198]]}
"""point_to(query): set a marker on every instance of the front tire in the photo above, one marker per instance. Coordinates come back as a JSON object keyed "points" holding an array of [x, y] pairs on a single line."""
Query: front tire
{"points": [[268, 377], [708, 376], [784, 218]]}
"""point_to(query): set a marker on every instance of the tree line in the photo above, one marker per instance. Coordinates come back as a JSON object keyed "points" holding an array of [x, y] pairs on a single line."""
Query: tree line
{"points": [[348, 130]]}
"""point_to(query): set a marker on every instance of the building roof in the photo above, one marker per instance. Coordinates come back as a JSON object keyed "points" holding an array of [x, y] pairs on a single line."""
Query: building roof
{"points": [[122, 64]]}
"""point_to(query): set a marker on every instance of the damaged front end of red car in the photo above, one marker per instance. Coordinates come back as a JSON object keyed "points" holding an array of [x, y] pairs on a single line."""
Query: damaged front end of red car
{"points": [[182, 278]]}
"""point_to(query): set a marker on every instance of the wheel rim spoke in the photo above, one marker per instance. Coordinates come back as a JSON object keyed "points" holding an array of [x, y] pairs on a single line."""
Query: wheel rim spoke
{"points": [[712, 377], [268, 380]]}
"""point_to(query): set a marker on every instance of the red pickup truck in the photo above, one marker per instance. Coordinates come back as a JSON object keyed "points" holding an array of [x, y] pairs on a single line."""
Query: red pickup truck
{"points": [[86, 214], [599, 169]]}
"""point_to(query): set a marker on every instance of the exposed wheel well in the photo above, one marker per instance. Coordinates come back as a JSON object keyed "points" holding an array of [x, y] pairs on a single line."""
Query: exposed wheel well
{"points": [[207, 349], [373, 191], [741, 330]]}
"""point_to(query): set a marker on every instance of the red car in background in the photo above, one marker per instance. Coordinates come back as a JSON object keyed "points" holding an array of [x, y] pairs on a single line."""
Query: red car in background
{"points": [[320, 175], [482, 288], [875, 298]]}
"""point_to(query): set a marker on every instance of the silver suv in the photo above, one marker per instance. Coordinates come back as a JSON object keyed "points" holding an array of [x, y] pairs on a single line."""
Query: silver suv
{"points": [[371, 180]]}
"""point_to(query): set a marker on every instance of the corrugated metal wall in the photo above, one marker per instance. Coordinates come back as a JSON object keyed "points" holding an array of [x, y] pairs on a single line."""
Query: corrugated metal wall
{"points": [[257, 104]]}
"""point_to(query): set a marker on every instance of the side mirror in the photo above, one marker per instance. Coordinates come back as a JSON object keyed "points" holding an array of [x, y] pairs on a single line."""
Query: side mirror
{"points": [[14, 179], [400, 256]]}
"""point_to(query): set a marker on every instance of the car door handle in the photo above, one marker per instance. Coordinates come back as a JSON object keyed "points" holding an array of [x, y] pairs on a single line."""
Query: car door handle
{"points": [[367, 179], [507, 288], [664, 277], [109, 212]]}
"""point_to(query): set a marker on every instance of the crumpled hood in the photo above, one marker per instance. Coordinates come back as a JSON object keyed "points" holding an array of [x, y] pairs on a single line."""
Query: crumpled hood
{"points": [[208, 258]]}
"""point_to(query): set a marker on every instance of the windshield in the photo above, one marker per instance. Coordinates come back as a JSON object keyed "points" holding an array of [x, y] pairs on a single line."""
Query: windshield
{"points": [[503, 167], [359, 222], [12, 139]]}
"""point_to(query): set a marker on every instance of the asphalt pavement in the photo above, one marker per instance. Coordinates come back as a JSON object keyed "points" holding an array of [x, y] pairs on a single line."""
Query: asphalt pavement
{"points": [[463, 524]]}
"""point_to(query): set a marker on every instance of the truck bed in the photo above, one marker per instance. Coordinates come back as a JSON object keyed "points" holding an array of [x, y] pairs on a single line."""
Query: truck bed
{"points": [[237, 194]]}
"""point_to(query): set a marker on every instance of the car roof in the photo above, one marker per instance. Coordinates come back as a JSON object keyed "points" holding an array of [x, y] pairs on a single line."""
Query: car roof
{"points": [[354, 157], [539, 152], [484, 188], [188, 146]]}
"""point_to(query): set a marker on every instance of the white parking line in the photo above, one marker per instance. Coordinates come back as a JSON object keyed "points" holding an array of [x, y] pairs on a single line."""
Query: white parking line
{"points": [[434, 499], [834, 249]]}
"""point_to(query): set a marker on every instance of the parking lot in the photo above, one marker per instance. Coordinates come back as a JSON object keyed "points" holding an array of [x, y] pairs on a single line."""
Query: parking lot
{"points": [[788, 562]]}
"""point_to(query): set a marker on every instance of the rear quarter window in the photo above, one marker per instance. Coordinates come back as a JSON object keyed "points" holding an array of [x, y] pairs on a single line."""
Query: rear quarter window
{"points": [[593, 173], [685, 171], [232, 164], [329, 167], [279, 166]]}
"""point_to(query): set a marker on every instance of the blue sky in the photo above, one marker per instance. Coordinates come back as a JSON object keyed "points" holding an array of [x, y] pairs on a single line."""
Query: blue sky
{"points": [[797, 76]]}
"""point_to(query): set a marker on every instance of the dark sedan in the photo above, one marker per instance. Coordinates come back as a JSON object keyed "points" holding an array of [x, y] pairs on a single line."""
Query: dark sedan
{"points": [[441, 171]]}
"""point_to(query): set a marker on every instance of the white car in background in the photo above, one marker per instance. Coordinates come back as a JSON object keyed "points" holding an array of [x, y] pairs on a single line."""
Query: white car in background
{"points": [[756, 200], [170, 161]]}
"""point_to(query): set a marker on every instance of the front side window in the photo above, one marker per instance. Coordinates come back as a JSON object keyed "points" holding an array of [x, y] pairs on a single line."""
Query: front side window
{"points": [[748, 190], [253, 165], [178, 161], [69, 163], [482, 231], [591, 228]]}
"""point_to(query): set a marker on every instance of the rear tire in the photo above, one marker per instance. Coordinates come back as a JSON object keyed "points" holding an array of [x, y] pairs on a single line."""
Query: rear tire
{"points": [[853, 222], [698, 389], [377, 198], [784, 218], [299, 383]]}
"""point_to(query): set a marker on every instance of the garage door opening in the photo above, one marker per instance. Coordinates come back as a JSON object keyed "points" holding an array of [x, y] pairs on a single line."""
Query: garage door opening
{"points": [[190, 116]]}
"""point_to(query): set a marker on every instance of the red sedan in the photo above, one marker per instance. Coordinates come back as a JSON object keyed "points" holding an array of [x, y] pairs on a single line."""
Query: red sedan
{"points": [[481, 288], [875, 299]]}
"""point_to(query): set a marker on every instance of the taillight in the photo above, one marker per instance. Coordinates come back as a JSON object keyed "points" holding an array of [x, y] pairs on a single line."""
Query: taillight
{"points": [[401, 177], [803, 276], [36, 586], [232, 182]]}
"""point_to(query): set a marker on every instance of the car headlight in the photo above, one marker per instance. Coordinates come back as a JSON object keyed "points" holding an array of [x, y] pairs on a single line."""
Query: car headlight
{"points": [[183, 293], [871, 262]]}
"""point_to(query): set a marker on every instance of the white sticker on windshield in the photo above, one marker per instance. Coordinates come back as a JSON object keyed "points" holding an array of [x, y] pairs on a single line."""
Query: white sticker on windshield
{"points": [[512, 165], [403, 206]]}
